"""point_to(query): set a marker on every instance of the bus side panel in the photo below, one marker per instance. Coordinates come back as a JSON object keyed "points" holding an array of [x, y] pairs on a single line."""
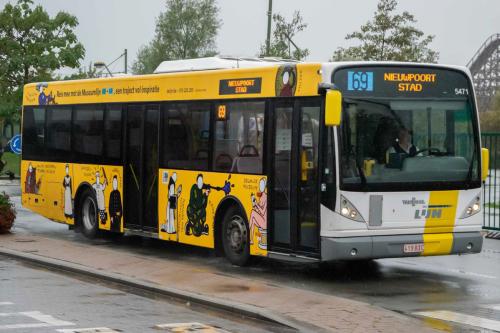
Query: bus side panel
{"points": [[49, 190], [103, 179], [44, 190], [188, 201]]}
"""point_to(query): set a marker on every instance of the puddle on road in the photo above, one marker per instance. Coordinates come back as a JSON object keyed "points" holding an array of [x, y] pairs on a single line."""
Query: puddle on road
{"points": [[105, 294], [25, 240], [231, 288]]}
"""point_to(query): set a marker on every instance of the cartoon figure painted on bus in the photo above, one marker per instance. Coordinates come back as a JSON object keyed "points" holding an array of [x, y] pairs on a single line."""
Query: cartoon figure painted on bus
{"points": [[227, 186], [173, 195], [68, 201], [30, 183], [115, 207], [286, 81], [197, 208], [43, 99], [99, 194], [258, 217]]}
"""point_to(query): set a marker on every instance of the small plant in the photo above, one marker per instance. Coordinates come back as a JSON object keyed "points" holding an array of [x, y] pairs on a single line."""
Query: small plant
{"points": [[7, 213]]}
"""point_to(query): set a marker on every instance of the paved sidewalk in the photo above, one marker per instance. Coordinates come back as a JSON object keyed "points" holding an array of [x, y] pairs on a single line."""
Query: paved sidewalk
{"points": [[305, 310]]}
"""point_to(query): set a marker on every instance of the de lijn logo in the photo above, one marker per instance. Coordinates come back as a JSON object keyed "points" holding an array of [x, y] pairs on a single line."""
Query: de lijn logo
{"points": [[15, 144], [431, 212]]}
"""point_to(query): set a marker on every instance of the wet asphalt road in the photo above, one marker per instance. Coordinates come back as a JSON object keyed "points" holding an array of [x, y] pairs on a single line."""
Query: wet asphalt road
{"points": [[467, 285], [33, 299]]}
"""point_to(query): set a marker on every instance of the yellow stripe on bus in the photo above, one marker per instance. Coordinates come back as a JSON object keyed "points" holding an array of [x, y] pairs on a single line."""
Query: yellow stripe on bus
{"points": [[440, 221]]}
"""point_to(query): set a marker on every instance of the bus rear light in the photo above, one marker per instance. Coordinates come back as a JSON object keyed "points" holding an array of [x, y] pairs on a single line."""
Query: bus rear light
{"points": [[348, 210], [473, 208]]}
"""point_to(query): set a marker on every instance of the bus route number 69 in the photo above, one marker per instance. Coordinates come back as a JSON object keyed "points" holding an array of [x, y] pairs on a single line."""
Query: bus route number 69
{"points": [[360, 81]]}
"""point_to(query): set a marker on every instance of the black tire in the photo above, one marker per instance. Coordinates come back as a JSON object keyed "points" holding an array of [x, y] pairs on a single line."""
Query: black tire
{"points": [[235, 237], [87, 214]]}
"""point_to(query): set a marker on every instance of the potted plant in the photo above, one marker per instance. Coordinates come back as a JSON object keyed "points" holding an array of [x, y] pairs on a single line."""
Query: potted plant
{"points": [[7, 213]]}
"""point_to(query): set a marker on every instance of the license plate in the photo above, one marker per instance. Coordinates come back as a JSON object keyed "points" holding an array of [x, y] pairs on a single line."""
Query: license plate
{"points": [[413, 248]]}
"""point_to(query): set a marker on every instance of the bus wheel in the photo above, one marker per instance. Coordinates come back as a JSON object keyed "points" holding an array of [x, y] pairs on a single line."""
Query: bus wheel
{"points": [[235, 237], [88, 215]]}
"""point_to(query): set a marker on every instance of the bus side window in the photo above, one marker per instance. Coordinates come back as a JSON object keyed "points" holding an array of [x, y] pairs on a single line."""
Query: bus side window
{"points": [[58, 140], [186, 136], [239, 137], [113, 131], [88, 130], [33, 133]]}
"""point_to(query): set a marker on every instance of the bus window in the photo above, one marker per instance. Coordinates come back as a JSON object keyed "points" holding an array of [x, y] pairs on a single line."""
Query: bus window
{"points": [[58, 132], [113, 131], [88, 130], [239, 138], [186, 136], [33, 133]]}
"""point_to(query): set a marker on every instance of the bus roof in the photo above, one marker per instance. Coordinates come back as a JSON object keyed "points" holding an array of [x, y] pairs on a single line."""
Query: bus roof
{"points": [[198, 79]]}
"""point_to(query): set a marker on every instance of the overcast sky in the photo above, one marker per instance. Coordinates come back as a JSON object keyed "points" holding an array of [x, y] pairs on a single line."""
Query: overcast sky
{"points": [[109, 26]]}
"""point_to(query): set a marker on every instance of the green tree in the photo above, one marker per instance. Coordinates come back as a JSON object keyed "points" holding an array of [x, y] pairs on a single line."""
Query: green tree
{"points": [[389, 36], [490, 119], [187, 29], [32, 46], [282, 44], [83, 73]]}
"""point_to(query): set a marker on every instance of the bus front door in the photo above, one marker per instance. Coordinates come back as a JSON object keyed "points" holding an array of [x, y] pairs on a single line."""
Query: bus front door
{"points": [[294, 177], [141, 168]]}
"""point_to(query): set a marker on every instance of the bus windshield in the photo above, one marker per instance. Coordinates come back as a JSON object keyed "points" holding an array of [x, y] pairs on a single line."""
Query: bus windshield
{"points": [[407, 128]]}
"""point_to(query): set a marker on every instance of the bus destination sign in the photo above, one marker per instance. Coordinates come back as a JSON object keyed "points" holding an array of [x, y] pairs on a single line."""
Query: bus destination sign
{"points": [[410, 81], [240, 86], [398, 82]]}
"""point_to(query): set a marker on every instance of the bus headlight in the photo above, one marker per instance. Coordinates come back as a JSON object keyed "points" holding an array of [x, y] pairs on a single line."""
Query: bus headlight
{"points": [[348, 210], [472, 208]]}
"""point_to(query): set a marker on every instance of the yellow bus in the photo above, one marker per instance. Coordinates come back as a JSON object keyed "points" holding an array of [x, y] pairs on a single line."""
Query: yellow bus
{"points": [[298, 161]]}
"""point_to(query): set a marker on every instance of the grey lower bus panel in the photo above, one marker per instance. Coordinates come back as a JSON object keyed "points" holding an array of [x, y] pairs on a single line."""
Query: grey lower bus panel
{"points": [[373, 247]]}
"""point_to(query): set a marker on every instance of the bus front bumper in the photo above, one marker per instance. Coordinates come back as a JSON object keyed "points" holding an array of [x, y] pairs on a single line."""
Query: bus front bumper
{"points": [[373, 247]]}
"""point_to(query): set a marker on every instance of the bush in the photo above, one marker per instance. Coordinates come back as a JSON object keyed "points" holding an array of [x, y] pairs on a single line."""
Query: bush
{"points": [[7, 213]]}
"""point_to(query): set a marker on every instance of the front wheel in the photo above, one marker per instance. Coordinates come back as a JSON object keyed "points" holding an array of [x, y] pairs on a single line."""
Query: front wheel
{"points": [[89, 221], [235, 237]]}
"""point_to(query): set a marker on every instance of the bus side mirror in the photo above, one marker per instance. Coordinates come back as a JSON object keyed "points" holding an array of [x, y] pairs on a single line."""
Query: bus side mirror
{"points": [[333, 108], [485, 163]]}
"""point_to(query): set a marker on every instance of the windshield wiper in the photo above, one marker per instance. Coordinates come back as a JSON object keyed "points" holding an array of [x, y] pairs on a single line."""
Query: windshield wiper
{"points": [[469, 173], [361, 174]]}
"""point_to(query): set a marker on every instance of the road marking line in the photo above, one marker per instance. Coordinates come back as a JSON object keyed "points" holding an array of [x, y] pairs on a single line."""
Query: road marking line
{"points": [[45, 320], [87, 330], [6, 303], [48, 319], [190, 327], [17, 326], [461, 318], [492, 306]]}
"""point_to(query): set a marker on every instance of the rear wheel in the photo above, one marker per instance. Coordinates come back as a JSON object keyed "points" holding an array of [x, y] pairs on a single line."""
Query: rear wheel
{"points": [[89, 221], [235, 237]]}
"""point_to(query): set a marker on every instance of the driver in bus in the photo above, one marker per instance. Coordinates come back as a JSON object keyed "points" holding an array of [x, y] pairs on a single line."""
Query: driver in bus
{"points": [[403, 144]]}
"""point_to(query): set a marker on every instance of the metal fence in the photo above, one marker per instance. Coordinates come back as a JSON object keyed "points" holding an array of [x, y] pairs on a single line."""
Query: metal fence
{"points": [[491, 203]]}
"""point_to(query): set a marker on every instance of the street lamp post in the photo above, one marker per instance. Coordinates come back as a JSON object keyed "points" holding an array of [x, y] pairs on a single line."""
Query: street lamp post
{"points": [[269, 16]]}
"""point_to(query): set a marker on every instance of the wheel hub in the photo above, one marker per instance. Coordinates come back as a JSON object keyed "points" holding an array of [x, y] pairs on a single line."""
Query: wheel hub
{"points": [[237, 234]]}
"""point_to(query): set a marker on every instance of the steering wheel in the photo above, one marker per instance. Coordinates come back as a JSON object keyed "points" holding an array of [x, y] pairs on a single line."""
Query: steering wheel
{"points": [[431, 150]]}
